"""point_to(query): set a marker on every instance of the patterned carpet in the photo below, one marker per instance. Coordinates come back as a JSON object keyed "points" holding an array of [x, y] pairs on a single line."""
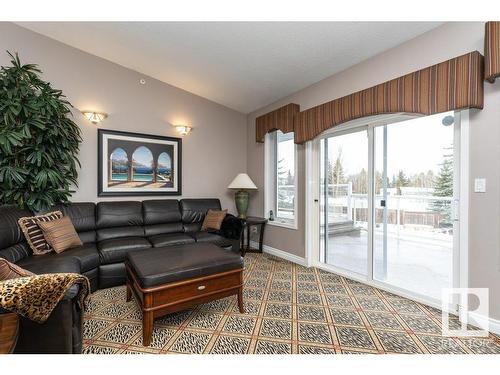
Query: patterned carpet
{"points": [[289, 309]]}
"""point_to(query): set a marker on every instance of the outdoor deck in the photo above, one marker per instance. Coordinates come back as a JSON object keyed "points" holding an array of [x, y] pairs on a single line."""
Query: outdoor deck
{"points": [[417, 262]]}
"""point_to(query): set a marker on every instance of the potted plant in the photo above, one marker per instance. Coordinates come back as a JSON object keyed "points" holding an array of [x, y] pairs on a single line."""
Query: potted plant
{"points": [[39, 142]]}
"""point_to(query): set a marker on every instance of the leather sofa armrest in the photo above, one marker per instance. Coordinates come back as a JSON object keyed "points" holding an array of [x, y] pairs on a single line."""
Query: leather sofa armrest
{"points": [[72, 292]]}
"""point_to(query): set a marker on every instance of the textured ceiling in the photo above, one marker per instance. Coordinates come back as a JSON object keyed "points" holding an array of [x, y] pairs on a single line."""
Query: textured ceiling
{"points": [[242, 65]]}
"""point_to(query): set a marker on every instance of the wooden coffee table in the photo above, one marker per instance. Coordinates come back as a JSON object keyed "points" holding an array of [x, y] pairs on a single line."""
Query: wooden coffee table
{"points": [[158, 279]]}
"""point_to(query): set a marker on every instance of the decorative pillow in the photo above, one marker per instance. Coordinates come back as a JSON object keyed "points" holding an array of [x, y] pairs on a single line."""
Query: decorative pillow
{"points": [[213, 220], [9, 270], [34, 234], [60, 234]]}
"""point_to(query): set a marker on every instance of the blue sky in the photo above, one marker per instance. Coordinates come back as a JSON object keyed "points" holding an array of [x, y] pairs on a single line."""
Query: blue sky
{"points": [[143, 156]]}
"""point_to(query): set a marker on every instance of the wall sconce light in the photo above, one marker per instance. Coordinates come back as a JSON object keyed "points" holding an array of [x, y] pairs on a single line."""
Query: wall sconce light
{"points": [[94, 117], [183, 129]]}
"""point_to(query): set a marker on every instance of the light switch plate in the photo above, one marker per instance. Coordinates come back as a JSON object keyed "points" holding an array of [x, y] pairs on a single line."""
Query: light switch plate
{"points": [[480, 185]]}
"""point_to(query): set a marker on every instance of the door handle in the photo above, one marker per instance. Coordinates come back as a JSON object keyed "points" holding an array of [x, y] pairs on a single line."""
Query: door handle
{"points": [[382, 203]]}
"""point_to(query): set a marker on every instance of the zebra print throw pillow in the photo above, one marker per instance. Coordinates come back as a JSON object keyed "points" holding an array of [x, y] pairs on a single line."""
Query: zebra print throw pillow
{"points": [[34, 234]]}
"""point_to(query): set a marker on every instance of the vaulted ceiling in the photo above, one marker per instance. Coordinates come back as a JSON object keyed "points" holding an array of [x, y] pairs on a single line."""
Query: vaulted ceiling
{"points": [[242, 65]]}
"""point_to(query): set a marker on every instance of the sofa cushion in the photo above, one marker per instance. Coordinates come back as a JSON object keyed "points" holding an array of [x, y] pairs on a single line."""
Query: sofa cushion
{"points": [[87, 255], [50, 263], [115, 250], [194, 211], [161, 216], [88, 236], [153, 230], [10, 232], [10, 270], [82, 215], [119, 214], [111, 275], [119, 232], [164, 265], [16, 252], [160, 211], [119, 219], [212, 238], [170, 239]]}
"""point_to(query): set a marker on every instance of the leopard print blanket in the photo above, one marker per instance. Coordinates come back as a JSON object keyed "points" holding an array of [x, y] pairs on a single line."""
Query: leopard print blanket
{"points": [[35, 297]]}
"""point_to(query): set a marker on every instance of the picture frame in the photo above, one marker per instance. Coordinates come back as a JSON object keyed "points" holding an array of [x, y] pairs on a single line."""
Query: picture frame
{"points": [[137, 164]]}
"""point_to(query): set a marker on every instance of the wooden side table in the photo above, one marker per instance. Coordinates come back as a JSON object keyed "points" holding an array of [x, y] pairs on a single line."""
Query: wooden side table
{"points": [[249, 222], [9, 331]]}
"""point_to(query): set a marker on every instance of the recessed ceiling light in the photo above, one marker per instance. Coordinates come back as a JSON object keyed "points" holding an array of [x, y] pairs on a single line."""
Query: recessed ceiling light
{"points": [[142, 81]]}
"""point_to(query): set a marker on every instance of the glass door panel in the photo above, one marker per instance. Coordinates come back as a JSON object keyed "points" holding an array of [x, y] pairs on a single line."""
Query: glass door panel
{"points": [[413, 198], [344, 201]]}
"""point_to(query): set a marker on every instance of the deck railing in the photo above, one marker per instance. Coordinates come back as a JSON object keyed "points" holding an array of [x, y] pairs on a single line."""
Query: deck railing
{"points": [[418, 210]]}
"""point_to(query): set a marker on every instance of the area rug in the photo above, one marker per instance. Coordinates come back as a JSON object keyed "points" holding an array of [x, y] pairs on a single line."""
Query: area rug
{"points": [[290, 309]]}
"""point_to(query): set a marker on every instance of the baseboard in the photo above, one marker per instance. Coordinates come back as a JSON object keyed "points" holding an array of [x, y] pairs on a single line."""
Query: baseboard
{"points": [[280, 254], [480, 320]]}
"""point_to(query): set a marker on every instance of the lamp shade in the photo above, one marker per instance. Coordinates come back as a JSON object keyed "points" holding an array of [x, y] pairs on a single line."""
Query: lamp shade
{"points": [[242, 181]]}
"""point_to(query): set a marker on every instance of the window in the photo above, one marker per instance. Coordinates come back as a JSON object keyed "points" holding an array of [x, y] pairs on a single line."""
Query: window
{"points": [[281, 184]]}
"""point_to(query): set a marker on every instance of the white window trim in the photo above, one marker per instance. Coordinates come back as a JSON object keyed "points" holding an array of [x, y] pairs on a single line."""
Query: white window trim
{"points": [[312, 176], [312, 211], [269, 196]]}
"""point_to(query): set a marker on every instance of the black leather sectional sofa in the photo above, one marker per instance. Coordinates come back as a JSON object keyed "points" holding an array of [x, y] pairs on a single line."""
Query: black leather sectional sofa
{"points": [[110, 230]]}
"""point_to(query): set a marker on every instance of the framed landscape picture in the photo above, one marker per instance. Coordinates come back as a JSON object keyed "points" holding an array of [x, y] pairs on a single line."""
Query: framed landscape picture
{"points": [[138, 164]]}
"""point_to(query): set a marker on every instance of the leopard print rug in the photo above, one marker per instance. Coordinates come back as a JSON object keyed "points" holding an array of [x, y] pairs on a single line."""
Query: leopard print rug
{"points": [[36, 296]]}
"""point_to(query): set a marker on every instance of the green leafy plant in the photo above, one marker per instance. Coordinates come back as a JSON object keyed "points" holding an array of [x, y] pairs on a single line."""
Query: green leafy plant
{"points": [[38, 141]]}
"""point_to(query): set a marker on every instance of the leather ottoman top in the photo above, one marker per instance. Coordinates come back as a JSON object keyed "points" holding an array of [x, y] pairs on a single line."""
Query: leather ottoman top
{"points": [[163, 265]]}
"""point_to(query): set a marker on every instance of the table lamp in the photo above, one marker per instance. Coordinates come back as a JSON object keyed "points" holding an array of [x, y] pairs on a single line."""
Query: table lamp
{"points": [[242, 183]]}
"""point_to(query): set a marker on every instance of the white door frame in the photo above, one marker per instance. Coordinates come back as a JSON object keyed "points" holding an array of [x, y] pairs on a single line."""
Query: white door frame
{"points": [[460, 257]]}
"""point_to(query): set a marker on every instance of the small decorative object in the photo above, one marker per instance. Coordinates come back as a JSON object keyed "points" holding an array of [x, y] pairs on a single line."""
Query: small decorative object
{"points": [[39, 141], [94, 117], [183, 129], [271, 215], [242, 183], [138, 164]]}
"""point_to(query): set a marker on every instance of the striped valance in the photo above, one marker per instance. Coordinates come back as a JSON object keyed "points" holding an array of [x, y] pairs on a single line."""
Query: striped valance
{"points": [[492, 51], [450, 85], [279, 119]]}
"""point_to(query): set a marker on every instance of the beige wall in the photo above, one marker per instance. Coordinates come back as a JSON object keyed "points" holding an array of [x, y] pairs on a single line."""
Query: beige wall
{"points": [[447, 41], [212, 154]]}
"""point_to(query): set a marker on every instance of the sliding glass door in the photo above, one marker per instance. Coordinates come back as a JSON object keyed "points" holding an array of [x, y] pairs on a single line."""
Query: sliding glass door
{"points": [[344, 199], [387, 199], [414, 199]]}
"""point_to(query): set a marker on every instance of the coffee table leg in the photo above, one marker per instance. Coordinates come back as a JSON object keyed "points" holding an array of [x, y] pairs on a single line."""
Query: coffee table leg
{"points": [[147, 327], [129, 293], [240, 300], [261, 236]]}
